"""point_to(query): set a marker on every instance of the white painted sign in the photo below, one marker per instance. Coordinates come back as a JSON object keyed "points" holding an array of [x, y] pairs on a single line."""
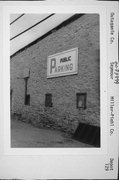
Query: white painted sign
{"points": [[64, 63]]}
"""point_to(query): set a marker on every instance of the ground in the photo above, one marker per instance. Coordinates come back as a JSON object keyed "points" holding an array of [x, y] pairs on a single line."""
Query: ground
{"points": [[24, 135]]}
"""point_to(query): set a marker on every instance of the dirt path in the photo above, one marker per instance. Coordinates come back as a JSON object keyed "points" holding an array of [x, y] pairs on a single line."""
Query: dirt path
{"points": [[25, 135]]}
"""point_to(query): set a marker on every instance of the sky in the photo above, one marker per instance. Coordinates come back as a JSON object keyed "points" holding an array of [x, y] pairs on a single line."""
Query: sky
{"points": [[25, 28]]}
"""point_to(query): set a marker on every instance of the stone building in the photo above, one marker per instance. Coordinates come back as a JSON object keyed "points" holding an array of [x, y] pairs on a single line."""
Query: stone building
{"points": [[63, 100]]}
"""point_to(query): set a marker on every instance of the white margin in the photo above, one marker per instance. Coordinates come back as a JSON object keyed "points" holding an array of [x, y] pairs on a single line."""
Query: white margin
{"points": [[83, 163], [103, 78]]}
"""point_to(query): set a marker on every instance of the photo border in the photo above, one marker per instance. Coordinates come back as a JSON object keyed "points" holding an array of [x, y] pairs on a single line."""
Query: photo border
{"points": [[103, 78], [77, 165]]}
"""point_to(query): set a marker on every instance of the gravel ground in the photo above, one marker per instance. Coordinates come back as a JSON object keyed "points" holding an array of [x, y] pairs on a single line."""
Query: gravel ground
{"points": [[25, 135]]}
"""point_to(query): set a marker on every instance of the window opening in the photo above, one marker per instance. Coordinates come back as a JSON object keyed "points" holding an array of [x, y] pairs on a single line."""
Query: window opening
{"points": [[48, 100], [81, 100], [27, 96]]}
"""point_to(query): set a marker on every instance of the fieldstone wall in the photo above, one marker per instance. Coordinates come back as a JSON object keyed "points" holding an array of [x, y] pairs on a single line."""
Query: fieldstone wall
{"points": [[82, 33]]}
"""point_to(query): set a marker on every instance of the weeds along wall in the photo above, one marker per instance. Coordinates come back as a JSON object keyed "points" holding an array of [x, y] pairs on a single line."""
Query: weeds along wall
{"points": [[64, 114]]}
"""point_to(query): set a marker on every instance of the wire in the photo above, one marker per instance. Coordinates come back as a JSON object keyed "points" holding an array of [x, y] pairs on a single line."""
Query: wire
{"points": [[17, 19], [31, 26]]}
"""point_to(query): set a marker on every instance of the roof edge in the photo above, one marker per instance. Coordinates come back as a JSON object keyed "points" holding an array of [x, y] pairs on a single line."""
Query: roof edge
{"points": [[64, 23]]}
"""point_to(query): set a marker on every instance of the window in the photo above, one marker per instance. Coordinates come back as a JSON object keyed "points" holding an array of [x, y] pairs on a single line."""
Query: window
{"points": [[81, 100], [27, 96], [48, 100], [27, 99]]}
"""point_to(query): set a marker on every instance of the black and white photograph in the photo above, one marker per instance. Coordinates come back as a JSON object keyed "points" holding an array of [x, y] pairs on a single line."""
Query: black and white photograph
{"points": [[55, 80], [60, 75]]}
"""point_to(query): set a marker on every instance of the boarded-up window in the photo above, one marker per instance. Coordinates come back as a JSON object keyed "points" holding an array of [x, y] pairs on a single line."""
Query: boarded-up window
{"points": [[81, 100], [48, 100]]}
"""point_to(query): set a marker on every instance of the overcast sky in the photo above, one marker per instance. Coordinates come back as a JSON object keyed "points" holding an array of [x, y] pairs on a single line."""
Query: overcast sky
{"points": [[24, 22]]}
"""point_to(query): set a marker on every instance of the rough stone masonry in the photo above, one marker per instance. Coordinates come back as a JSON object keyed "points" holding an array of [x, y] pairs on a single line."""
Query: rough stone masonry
{"points": [[63, 114]]}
